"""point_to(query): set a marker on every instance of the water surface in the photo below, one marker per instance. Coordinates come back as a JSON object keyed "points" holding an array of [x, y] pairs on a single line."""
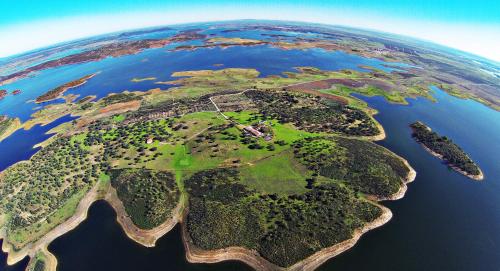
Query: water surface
{"points": [[445, 222]]}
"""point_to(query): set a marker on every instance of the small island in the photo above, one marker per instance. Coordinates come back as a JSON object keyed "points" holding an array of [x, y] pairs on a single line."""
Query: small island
{"points": [[139, 79], [444, 148], [58, 91]]}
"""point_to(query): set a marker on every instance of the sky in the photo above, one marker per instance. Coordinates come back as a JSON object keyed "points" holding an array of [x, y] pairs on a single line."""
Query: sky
{"points": [[471, 26]]}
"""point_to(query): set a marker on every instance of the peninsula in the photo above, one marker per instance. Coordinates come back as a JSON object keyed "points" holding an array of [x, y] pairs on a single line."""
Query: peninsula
{"points": [[444, 148], [250, 166], [58, 91]]}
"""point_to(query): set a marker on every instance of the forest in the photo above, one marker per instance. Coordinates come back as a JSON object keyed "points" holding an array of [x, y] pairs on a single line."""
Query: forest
{"points": [[148, 196], [363, 166], [445, 147], [283, 229], [312, 113], [36, 193]]}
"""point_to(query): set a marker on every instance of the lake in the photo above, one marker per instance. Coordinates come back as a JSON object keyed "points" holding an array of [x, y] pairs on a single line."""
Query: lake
{"points": [[445, 222]]}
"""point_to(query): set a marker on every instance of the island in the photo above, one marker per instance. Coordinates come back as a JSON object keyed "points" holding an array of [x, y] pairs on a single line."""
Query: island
{"points": [[115, 48], [58, 91], [16, 92], [138, 80], [254, 168], [3, 93], [445, 149]]}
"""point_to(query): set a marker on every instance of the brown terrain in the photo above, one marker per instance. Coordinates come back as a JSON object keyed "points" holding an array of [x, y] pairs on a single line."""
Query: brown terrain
{"points": [[58, 91], [116, 49]]}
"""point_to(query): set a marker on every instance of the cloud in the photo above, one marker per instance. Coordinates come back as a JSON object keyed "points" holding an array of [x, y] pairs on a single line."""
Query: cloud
{"points": [[479, 39]]}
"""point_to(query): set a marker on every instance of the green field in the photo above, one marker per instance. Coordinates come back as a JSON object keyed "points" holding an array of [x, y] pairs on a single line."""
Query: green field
{"points": [[295, 187]]}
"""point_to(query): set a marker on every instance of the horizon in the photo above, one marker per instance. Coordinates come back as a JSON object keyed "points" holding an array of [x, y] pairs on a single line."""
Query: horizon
{"points": [[461, 27], [347, 27]]}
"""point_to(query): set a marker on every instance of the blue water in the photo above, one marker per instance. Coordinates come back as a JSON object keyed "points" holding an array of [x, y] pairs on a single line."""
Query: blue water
{"points": [[115, 73], [20, 266], [19, 146], [445, 222]]}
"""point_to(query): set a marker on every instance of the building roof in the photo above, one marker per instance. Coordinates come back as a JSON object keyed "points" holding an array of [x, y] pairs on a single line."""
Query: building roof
{"points": [[253, 131]]}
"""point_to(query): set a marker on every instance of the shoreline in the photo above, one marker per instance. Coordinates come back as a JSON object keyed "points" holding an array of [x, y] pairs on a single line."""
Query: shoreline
{"points": [[252, 258], [64, 89], [478, 177], [31, 249], [256, 261], [146, 238], [380, 136], [194, 254]]}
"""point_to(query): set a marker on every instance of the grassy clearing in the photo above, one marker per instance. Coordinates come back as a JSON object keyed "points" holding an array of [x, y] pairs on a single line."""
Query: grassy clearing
{"points": [[119, 118], [279, 174]]}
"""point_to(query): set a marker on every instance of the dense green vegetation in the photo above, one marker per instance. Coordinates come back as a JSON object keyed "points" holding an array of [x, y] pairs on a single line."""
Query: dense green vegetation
{"points": [[32, 192], [312, 113], [148, 196], [362, 165], [283, 229], [128, 143], [297, 187], [39, 266], [444, 146], [120, 98]]}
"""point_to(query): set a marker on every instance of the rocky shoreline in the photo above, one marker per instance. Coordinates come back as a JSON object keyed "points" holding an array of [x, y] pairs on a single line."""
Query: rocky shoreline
{"points": [[253, 259], [478, 177], [194, 254], [144, 237]]}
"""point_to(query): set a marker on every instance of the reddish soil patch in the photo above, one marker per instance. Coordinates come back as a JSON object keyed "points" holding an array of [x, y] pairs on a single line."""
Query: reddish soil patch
{"points": [[120, 107]]}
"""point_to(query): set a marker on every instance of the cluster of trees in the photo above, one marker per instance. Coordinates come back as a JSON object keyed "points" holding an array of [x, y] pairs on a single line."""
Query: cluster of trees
{"points": [[54, 93], [120, 98], [313, 114], [362, 165], [130, 136], [175, 107], [32, 190], [5, 123], [148, 196], [283, 228], [444, 146], [39, 265]]}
